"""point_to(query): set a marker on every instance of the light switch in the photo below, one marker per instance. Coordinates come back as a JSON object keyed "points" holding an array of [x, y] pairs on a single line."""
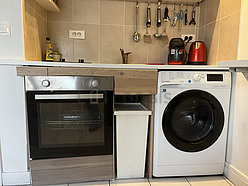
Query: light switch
{"points": [[4, 28]]}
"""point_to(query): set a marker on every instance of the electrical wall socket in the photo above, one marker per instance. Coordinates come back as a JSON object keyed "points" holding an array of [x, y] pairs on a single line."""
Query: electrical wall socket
{"points": [[76, 34], [184, 35]]}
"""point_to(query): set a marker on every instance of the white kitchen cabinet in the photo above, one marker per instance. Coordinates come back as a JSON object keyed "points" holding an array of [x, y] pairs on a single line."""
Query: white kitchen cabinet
{"points": [[13, 128]]}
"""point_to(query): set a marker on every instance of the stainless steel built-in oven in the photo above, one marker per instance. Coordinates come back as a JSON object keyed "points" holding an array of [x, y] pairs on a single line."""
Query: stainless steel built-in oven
{"points": [[70, 118]]}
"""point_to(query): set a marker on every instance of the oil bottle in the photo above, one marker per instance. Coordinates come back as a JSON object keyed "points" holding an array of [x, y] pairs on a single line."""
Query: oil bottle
{"points": [[48, 50]]}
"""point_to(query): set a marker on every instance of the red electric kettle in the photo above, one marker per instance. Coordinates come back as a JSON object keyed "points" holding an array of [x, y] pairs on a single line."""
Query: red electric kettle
{"points": [[197, 53]]}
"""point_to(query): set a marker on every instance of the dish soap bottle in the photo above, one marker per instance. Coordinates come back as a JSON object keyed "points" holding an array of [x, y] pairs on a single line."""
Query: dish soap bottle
{"points": [[48, 50]]}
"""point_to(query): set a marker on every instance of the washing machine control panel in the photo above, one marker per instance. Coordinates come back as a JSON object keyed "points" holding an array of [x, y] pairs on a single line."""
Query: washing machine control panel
{"points": [[191, 78], [197, 77]]}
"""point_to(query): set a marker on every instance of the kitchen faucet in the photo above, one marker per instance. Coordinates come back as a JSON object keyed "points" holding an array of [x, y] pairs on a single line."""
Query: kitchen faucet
{"points": [[124, 56]]}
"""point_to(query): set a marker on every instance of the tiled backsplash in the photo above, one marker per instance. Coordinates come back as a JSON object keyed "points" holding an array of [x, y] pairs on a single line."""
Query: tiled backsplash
{"points": [[109, 26], [219, 28]]}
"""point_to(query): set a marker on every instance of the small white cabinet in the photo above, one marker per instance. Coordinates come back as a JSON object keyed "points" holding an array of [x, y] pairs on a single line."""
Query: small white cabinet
{"points": [[13, 128], [131, 139]]}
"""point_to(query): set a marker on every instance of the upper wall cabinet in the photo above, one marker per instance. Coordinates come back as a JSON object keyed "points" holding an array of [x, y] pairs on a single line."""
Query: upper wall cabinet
{"points": [[48, 5]]}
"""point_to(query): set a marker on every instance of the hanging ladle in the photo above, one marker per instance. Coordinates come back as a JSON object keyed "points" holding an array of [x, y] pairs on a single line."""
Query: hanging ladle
{"points": [[157, 35], [136, 34]]}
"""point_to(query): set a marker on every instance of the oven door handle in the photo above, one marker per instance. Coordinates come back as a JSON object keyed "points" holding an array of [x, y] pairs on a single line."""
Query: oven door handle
{"points": [[67, 96]]}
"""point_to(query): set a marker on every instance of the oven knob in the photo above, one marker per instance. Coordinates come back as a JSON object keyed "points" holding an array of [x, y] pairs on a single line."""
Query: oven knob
{"points": [[197, 77], [94, 83], [45, 83]]}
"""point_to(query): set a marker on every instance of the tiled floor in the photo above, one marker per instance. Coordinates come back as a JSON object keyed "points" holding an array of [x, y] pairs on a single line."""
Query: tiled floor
{"points": [[180, 181]]}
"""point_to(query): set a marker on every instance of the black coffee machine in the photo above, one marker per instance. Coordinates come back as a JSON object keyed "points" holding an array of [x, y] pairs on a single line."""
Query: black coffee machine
{"points": [[176, 52]]}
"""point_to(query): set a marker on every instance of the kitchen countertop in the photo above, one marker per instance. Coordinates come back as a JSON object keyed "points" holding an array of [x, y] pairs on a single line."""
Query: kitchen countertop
{"points": [[233, 64], [110, 66]]}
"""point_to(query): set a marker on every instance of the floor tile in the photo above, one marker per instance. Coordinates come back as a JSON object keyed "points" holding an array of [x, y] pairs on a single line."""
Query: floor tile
{"points": [[97, 183], [130, 182], [169, 181], [58, 185], [208, 181]]}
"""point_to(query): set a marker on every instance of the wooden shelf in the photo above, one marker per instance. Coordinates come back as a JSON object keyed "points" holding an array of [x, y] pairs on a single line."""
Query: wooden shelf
{"points": [[48, 5]]}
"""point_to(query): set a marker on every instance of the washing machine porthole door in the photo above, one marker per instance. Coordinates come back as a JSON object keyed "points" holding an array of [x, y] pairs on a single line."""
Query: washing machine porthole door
{"points": [[193, 121]]}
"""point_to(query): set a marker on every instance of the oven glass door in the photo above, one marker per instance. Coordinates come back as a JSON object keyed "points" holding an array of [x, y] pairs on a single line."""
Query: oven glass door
{"points": [[70, 124]]}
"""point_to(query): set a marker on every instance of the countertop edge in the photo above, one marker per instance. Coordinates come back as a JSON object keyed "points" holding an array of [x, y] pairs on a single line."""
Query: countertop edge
{"points": [[233, 64], [111, 66]]}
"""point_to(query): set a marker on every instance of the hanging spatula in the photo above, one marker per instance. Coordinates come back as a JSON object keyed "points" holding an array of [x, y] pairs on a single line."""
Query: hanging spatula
{"points": [[147, 36]]}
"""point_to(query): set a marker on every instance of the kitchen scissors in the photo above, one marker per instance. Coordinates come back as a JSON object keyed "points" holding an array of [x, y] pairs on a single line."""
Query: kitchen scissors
{"points": [[180, 16]]}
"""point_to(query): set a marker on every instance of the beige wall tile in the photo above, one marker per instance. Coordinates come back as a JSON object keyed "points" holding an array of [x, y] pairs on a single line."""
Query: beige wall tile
{"points": [[39, 9], [139, 50], [111, 17], [229, 7], [30, 3], [34, 33], [86, 11], [229, 31], [42, 28], [211, 40], [89, 48], [130, 13], [197, 17], [65, 13], [203, 9], [154, 7], [58, 32], [213, 10], [29, 15], [177, 33], [32, 50], [112, 12], [157, 50], [111, 40], [29, 43], [201, 34]]}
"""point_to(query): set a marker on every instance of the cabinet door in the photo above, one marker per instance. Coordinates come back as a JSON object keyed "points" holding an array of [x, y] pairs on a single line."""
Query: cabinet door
{"points": [[127, 81], [31, 71], [13, 131]]}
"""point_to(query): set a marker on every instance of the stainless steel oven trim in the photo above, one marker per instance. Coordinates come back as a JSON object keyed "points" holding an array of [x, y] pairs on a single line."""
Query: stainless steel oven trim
{"points": [[67, 96], [69, 83]]}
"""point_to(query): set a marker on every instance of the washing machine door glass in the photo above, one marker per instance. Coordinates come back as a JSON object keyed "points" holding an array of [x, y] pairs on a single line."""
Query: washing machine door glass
{"points": [[193, 120]]}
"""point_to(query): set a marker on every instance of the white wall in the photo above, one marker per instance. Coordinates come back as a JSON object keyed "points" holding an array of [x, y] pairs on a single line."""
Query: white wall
{"points": [[237, 149], [11, 47], [0, 164], [243, 30]]}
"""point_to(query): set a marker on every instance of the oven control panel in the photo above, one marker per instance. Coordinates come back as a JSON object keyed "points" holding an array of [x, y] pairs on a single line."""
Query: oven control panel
{"points": [[58, 83]]}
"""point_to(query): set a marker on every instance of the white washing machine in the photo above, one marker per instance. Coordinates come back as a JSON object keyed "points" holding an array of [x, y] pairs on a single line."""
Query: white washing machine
{"points": [[191, 120]]}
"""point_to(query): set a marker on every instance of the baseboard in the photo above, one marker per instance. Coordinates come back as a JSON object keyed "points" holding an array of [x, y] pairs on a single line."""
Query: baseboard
{"points": [[235, 176], [16, 178]]}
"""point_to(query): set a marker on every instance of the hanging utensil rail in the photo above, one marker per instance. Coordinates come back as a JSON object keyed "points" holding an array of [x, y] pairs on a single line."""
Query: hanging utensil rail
{"points": [[167, 2]]}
